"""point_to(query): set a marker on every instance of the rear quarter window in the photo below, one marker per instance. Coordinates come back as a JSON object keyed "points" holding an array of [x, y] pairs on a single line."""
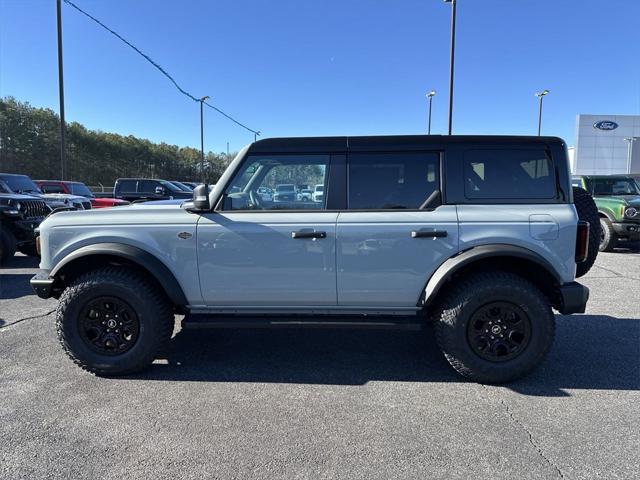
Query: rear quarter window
{"points": [[127, 185], [509, 174]]}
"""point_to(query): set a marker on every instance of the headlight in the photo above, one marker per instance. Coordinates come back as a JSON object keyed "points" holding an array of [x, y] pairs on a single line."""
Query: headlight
{"points": [[631, 212]]}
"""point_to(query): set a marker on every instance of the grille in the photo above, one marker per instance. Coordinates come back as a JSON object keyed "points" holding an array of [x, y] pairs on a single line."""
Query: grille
{"points": [[86, 205], [34, 208]]}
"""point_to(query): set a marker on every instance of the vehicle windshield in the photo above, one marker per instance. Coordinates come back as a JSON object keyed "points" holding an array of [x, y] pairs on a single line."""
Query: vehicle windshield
{"points": [[285, 188], [170, 186], [80, 189], [615, 186], [320, 188], [4, 188], [21, 184], [182, 187]]}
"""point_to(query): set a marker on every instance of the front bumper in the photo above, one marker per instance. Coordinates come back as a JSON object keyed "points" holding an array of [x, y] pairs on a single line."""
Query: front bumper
{"points": [[42, 284], [628, 230], [24, 230], [573, 298]]}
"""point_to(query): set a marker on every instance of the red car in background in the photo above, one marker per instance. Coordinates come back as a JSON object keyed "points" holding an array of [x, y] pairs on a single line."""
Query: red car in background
{"points": [[79, 188]]}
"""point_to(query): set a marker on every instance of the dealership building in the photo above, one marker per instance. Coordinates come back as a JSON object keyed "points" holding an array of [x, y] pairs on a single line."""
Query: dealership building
{"points": [[606, 145]]}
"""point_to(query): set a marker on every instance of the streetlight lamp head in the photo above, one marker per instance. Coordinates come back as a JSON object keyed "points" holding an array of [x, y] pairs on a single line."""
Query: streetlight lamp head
{"points": [[205, 98], [542, 93], [431, 94]]}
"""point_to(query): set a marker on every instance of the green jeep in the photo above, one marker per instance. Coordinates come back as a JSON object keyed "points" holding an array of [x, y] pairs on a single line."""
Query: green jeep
{"points": [[618, 200]]}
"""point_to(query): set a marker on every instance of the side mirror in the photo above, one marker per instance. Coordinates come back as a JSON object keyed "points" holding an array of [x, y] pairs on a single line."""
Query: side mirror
{"points": [[159, 190], [201, 197]]}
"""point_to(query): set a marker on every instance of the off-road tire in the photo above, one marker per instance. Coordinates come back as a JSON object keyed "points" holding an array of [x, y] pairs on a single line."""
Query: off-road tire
{"points": [[7, 245], [471, 293], [154, 311], [587, 210], [609, 238]]}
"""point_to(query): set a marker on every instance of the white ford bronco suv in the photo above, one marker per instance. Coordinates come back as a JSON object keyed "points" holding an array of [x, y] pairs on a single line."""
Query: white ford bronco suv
{"points": [[477, 234]]}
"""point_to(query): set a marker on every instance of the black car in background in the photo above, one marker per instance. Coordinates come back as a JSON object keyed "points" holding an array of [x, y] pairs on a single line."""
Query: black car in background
{"points": [[145, 189], [20, 215]]}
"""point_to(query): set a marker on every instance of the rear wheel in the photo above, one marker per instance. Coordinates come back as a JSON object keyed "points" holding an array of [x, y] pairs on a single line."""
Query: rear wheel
{"points": [[608, 237], [113, 321], [494, 327], [588, 211], [7, 245]]}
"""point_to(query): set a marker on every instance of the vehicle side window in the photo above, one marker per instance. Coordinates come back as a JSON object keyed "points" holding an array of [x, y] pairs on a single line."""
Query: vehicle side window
{"points": [[279, 182], [127, 185], [401, 180], [50, 188], [509, 173], [148, 186]]}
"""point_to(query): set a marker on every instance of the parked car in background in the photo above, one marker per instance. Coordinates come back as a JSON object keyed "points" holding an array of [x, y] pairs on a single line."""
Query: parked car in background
{"points": [[318, 193], [182, 186], [266, 194], [304, 195], [78, 188], [20, 215], [285, 192], [144, 189], [618, 200], [24, 185]]}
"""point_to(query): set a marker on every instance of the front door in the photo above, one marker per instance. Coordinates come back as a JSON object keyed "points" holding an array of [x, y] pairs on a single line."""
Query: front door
{"points": [[269, 245], [395, 231]]}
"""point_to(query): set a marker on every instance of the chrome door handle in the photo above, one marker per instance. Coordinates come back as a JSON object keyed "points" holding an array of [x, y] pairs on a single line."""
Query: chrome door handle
{"points": [[424, 233], [308, 234]]}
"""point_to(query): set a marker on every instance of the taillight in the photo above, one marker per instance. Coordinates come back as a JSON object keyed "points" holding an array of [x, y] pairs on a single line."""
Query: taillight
{"points": [[582, 241]]}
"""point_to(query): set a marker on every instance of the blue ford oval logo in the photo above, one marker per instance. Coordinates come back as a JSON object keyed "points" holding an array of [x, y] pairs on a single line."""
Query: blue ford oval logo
{"points": [[605, 125]]}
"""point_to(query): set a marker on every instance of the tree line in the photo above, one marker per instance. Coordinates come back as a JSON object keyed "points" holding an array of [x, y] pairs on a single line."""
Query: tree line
{"points": [[30, 144]]}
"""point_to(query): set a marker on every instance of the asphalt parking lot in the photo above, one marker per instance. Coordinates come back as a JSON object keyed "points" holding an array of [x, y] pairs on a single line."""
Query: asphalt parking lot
{"points": [[324, 404]]}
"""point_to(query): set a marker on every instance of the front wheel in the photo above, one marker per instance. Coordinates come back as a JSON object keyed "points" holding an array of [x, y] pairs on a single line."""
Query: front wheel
{"points": [[494, 327], [113, 321], [608, 237]]}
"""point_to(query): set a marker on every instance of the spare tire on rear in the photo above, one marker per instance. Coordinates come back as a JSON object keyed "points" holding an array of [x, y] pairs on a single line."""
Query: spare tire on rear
{"points": [[587, 210]]}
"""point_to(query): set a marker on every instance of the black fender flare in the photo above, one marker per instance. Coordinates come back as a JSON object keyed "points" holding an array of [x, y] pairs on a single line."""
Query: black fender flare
{"points": [[452, 265], [141, 257], [607, 215]]}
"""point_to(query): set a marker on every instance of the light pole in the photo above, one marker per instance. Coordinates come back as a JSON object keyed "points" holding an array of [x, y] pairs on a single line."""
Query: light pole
{"points": [[202, 100], [540, 96], [629, 141], [451, 60], [61, 91], [430, 96]]}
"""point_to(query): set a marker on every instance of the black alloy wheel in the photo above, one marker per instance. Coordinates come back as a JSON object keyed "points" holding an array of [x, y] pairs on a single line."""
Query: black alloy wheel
{"points": [[499, 331], [108, 326]]}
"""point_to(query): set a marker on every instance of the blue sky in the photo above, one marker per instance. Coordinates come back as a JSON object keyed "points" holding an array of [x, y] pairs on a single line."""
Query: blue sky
{"points": [[330, 67]]}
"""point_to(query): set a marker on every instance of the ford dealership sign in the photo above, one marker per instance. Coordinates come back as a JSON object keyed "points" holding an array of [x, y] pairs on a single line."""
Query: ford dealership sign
{"points": [[605, 125]]}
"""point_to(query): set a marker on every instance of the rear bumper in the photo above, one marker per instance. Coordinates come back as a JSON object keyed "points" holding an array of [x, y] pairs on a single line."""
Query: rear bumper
{"points": [[629, 230], [573, 298], [42, 284]]}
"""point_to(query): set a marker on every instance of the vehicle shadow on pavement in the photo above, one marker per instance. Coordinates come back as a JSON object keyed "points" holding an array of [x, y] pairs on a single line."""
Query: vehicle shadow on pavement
{"points": [[15, 286], [590, 352]]}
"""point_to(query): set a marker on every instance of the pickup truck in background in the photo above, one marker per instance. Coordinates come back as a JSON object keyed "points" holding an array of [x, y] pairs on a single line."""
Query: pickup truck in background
{"points": [[145, 189]]}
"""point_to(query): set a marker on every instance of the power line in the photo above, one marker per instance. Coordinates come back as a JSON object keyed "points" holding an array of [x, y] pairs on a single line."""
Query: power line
{"points": [[159, 67]]}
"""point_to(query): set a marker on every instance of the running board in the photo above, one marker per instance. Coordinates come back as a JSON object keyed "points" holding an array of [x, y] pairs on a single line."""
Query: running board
{"points": [[203, 321]]}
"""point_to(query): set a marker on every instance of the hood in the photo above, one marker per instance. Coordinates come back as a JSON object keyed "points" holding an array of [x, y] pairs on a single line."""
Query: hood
{"points": [[16, 196], [63, 196], [138, 215], [630, 200]]}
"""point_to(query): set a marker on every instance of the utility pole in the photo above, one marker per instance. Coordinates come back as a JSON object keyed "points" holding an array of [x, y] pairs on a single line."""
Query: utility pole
{"points": [[452, 60], [540, 96], [430, 96], [61, 92], [202, 100]]}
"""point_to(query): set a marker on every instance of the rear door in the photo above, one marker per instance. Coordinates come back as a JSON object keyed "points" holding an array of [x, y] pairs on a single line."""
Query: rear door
{"points": [[390, 239]]}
